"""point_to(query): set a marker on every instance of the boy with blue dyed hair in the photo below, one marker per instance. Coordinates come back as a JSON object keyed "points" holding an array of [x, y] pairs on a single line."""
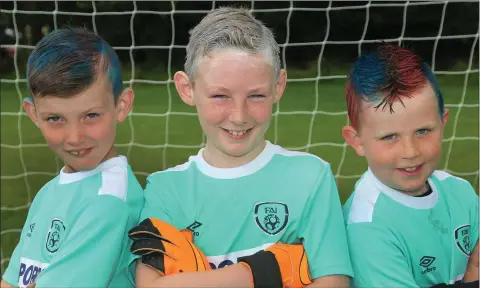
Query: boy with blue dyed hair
{"points": [[408, 224], [75, 231]]}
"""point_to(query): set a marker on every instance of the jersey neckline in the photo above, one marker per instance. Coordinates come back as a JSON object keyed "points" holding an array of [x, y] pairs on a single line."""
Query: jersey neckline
{"points": [[231, 173], [425, 202], [66, 178]]}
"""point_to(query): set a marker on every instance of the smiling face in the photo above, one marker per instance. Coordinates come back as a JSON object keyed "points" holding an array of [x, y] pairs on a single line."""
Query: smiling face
{"points": [[234, 93], [81, 129], [403, 147]]}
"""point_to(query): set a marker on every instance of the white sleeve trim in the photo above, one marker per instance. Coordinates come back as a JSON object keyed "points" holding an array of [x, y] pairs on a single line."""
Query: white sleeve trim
{"points": [[363, 203], [115, 182]]}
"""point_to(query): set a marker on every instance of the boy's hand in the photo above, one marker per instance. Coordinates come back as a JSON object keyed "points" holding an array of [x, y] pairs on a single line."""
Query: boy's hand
{"points": [[280, 265], [471, 274], [166, 249]]}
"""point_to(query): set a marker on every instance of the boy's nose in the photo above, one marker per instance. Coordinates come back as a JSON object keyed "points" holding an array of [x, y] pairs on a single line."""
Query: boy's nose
{"points": [[238, 115], [410, 149], [74, 135]]}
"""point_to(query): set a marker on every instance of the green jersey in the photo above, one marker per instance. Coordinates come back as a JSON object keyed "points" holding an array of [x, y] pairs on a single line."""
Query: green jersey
{"points": [[75, 234], [280, 196], [397, 240]]}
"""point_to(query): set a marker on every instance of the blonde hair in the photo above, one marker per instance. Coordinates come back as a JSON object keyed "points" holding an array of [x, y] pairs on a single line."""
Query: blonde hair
{"points": [[231, 28]]}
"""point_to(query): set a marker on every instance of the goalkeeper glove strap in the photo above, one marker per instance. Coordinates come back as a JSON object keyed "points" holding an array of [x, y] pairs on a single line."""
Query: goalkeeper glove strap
{"points": [[265, 269], [473, 284]]}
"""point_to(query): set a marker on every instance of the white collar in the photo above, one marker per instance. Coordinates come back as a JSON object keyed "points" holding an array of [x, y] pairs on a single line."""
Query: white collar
{"points": [[231, 173], [425, 202], [66, 178]]}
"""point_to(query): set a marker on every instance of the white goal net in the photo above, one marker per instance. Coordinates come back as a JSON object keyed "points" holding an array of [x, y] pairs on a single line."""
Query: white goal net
{"points": [[161, 132]]}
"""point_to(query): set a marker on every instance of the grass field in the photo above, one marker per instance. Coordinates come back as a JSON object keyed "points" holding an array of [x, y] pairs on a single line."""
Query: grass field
{"points": [[286, 130]]}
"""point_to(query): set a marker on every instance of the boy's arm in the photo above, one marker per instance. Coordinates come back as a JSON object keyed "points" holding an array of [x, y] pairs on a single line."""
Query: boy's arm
{"points": [[331, 281], [322, 229], [474, 217], [165, 206], [377, 258], [170, 251], [278, 263], [4, 284], [11, 275], [471, 273], [90, 254], [161, 204], [236, 275]]}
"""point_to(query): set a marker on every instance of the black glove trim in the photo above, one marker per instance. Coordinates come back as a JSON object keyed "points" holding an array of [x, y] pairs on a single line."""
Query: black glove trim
{"points": [[146, 230], [473, 284], [155, 260], [265, 270]]}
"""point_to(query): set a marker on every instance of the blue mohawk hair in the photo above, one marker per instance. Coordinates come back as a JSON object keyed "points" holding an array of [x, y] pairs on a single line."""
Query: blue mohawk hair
{"points": [[69, 60]]}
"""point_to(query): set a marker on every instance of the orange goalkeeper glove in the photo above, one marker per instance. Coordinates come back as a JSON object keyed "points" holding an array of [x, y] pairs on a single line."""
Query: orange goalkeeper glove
{"points": [[280, 265], [166, 249]]}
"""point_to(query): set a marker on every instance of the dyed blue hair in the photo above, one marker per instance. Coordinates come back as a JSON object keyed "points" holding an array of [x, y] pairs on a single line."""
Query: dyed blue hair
{"points": [[388, 74], [436, 87], [69, 60]]}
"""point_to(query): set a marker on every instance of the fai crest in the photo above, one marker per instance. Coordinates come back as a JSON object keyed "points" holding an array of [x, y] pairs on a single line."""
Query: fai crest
{"points": [[55, 234], [462, 238], [271, 217]]}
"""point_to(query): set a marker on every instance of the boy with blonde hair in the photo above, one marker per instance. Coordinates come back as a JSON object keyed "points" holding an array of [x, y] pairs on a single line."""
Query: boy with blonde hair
{"points": [[240, 196]]}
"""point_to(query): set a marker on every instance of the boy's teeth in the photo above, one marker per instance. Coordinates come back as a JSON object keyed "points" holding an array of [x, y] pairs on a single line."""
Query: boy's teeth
{"points": [[77, 152], [411, 169], [237, 133]]}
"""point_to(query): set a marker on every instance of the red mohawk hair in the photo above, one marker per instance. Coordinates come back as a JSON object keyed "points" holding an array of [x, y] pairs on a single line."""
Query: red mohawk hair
{"points": [[389, 74]]}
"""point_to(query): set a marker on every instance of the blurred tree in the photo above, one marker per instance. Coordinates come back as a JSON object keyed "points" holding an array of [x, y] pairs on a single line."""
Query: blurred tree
{"points": [[303, 26]]}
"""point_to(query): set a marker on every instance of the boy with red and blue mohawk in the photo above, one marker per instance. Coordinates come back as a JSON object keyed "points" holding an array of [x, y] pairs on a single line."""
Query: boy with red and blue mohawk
{"points": [[408, 224]]}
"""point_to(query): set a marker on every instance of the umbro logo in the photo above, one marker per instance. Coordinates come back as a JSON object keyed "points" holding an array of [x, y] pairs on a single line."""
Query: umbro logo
{"points": [[426, 262], [30, 231], [194, 226]]}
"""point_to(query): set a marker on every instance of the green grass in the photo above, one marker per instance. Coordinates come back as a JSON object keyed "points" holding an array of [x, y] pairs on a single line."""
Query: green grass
{"points": [[287, 130]]}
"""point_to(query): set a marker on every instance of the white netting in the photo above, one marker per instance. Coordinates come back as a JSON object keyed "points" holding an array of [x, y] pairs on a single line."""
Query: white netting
{"points": [[19, 115]]}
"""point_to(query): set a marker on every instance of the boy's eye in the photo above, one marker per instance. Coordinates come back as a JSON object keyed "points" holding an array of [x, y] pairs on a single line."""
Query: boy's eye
{"points": [[388, 137], [53, 119], [257, 96], [422, 131], [219, 97], [92, 115]]}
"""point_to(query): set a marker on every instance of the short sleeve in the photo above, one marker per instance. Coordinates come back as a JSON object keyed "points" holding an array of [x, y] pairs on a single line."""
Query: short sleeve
{"points": [[161, 203], [377, 258], [94, 247], [13, 270], [323, 231], [474, 224]]}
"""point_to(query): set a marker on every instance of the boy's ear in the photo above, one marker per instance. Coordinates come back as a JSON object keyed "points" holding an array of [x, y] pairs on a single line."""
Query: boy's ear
{"points": [[30, 109], [446, 113], [184, 89], [125, 104], [280, 85], [353, 139]]}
